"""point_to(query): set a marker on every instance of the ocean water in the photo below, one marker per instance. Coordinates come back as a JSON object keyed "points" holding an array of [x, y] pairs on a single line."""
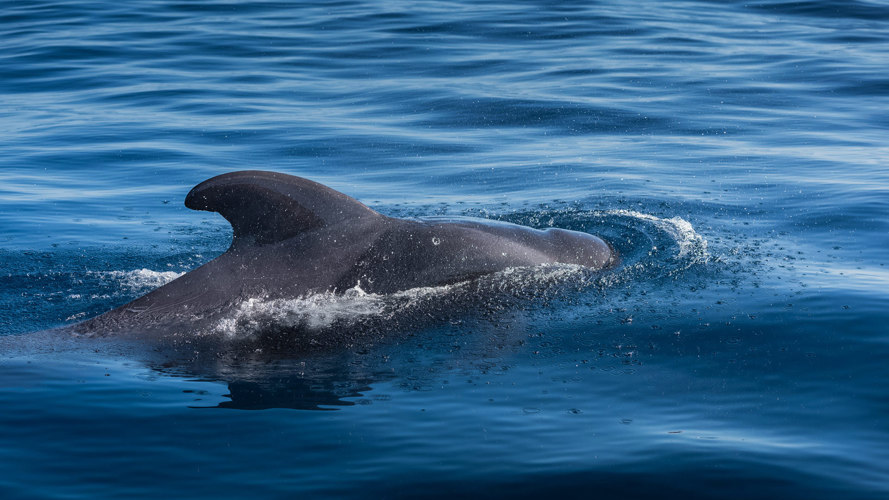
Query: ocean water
{"points": [[736, 153]]}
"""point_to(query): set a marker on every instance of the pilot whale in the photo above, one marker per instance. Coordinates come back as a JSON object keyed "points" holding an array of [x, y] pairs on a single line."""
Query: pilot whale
{"points": [[293, 237]]}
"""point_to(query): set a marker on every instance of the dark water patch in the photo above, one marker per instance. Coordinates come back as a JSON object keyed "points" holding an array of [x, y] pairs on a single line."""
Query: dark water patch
{"points": [[772, 481], [831, 10], [863, 87], [572, 118]]}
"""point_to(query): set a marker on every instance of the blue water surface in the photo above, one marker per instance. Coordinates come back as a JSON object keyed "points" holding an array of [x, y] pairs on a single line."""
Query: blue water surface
{"points": [[735, 152]]}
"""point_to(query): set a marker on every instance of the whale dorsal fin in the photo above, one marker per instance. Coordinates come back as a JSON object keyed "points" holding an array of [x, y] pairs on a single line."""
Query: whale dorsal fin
{"points": [[267, 207]]}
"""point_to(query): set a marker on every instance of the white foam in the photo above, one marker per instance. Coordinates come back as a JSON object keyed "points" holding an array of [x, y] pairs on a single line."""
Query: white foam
{"points": [[533, 277], [141, 279], [319, 310], [692, 246], [75, 316]]}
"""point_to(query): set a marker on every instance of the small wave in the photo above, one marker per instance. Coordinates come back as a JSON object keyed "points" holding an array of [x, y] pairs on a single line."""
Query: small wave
{"points": [[692, 246], [662, 245]]}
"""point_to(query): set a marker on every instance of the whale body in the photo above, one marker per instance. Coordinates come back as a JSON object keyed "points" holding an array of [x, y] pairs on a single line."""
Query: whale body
{"points": [[293, 237]]}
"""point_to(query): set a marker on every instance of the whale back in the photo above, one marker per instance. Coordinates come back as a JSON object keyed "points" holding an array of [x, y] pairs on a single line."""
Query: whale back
{"points": [[268, 207]]}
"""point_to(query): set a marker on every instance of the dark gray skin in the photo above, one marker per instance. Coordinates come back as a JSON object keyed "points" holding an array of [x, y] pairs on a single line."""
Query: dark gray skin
{"points": [[294, 237]]}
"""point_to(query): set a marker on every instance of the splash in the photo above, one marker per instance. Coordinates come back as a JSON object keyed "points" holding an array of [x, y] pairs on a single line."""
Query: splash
{"points": [[326, 310], [692, 247], [140, 280], [319, 311]]}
